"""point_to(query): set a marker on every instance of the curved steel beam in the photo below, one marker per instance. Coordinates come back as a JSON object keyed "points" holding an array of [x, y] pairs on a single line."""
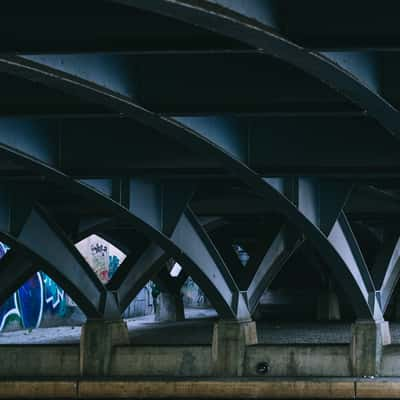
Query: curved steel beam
{"points": [[222, 152], [347, 73], [16, 268], [21, 262], [36, 236], [277, 254], [42, 236], [386, 270], [151, 222], [213, 276]]}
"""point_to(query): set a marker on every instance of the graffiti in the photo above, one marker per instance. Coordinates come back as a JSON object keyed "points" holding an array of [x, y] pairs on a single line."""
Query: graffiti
{"points": [[41, 302], [54, 295], [99, 249], [113, 264], [37, 297], [101, 256], [192, 294]]}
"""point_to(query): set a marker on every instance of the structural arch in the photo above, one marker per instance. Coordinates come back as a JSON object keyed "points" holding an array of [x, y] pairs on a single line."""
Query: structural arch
{"points": [[190, 133], [346, 73]]}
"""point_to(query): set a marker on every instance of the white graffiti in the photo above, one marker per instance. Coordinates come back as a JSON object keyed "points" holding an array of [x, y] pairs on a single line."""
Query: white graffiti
{"points": [[13, 312], [59, 295]]}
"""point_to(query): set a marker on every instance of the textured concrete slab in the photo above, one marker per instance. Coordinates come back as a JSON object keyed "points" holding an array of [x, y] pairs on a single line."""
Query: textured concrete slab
{"points": [[224, 389], [38, 389], [378, 389]]}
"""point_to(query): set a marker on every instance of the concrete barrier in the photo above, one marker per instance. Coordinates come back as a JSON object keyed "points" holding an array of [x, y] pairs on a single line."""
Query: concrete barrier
{"points": [[39, 360], [62, 361], [191, 388], [224, 389], [299, 360], [161, 360], [38, 389]]}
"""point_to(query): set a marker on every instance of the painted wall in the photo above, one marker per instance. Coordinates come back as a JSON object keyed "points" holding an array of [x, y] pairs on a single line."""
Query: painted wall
{"points": [[41, 302], [193, 296], [37, 301], [102, 256]]}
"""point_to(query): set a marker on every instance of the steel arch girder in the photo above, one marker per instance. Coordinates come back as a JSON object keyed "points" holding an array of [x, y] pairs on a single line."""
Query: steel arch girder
{"points": [[276, 256], [197, 141], [199, 258], [41, 235], [386, 270], [16, 268], [347, 74], [37, 237], [145, 226]]}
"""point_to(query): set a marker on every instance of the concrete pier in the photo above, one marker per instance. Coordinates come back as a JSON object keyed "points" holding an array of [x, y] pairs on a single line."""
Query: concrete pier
{"points": [[98, 339], [230, 339], [170, 307], [328, 306], [366, 349]]}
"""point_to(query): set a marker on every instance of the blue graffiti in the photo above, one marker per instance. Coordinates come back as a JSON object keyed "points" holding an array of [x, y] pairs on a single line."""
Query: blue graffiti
{"points": [[38, 296]]}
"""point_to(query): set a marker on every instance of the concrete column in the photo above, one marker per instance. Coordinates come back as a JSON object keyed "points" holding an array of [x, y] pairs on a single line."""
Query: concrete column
{"points": [[396, 308], [170, 307], [328, 306], [96, 346], [368, 339], [230, 339]]}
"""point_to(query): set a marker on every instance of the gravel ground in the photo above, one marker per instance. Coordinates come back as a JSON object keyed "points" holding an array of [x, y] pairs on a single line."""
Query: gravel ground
{"points": [[71, 334], [197, 329]]}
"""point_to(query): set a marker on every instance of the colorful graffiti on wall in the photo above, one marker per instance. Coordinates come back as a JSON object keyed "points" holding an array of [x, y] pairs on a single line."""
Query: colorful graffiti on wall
{"points": [[193, 296], [103, 257], [38, 297], [41, 302]]}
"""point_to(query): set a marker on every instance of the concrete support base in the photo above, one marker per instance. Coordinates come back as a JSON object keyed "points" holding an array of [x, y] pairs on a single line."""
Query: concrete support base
{"points": [[368, 339], [396, 309], [230, 339], [170, 307], [96, 346], [328, 307]]}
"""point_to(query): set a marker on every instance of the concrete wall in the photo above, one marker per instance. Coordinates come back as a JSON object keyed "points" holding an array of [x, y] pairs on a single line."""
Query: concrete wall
{"points": [[299, 360], [165, 360], [37, 360], [283, 360], [391, 360]]}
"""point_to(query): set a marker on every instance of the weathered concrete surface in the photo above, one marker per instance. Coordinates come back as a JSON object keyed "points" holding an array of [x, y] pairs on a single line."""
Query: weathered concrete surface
{"points": [[328, 306], [137, 327], [38, 389], [378, 389], [46, 361], [272, 388], [366, 349], [166, 361], [170, 307], [283, 360], [230, 339], [228, 389], [299, 360], [97, 345], [390, 365]]}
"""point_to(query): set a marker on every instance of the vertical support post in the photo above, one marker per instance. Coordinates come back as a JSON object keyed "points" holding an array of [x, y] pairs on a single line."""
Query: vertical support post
{"points": [[170, 307], [396, 308], [368, 339], [230, 339], [328, 306], [98, 339]]}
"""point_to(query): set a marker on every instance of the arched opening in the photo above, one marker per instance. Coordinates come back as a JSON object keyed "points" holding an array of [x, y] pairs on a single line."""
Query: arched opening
{"points": [[39, 311], [101, 255]]}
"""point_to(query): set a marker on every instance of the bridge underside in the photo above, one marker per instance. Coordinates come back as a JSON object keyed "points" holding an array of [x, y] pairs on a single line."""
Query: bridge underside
{"points": [[184, 131]]}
